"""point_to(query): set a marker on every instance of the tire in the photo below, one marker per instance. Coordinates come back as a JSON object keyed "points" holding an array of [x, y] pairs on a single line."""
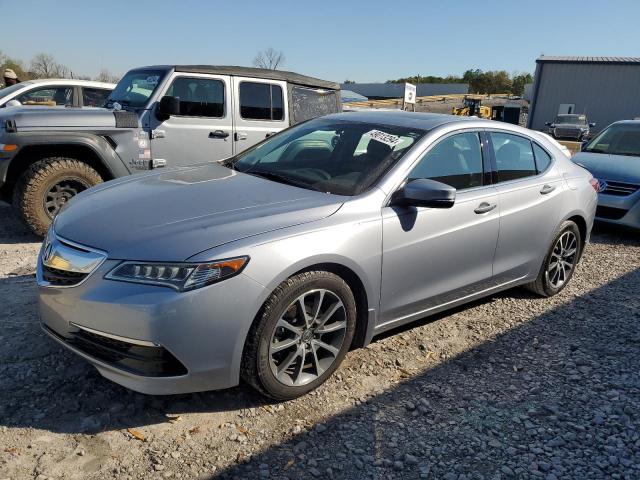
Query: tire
{"points": [[260, 363], [59, 176], [544, 284]]}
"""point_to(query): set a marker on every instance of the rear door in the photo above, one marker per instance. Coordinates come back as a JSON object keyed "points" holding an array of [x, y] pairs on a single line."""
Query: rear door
{"points": [[203, 131], [260, 110], [530, 190]]}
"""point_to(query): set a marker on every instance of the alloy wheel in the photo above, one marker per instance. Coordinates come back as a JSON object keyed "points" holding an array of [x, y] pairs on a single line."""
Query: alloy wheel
{"points": [[60, 193], [308, 337], [562, 259]]}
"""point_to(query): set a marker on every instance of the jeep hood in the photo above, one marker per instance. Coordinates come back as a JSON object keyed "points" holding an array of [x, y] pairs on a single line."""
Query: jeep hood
{"points": [[173, 215], [63, 118]]}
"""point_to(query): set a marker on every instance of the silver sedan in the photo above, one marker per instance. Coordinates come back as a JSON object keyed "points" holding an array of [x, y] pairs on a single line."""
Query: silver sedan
{"points": [[271, 265]]}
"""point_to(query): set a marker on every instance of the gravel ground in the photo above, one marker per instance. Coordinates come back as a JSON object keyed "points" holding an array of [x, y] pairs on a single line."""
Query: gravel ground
{"points": [[510, 387]]}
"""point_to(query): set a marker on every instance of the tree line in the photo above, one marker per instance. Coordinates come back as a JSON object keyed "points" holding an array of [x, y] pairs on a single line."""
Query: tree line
{"points": [[44, 65], [491, 81]]}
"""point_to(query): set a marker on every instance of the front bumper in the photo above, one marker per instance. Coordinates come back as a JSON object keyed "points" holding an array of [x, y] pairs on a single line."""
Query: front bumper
{"points": [[152, 339], [619, 210]]}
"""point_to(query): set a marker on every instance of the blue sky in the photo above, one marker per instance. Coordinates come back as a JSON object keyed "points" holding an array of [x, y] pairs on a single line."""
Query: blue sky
{"points": [[336, 40]]}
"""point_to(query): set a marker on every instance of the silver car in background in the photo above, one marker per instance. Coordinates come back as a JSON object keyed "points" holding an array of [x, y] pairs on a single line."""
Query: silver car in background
{"points": [[271, 265]]}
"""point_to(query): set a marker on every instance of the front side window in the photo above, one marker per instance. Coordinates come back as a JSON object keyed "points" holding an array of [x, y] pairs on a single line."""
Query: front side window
{"points": [[47, 96], [456, 161], [261, 101], [327, 155], [94, 97], [199, 97], [618, 139], [514, 156]]}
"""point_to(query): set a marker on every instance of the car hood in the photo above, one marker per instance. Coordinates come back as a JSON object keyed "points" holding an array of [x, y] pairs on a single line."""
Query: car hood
{"points": [[173, 215], [617, 168]]}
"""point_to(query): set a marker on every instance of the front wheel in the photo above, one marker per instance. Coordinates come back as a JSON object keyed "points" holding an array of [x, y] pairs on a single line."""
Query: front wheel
{"points": [[301, 335], [560, 262], [44, 188]]}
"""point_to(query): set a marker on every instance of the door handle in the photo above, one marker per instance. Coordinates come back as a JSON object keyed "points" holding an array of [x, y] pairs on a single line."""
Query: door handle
{"points": [[240, 136], [218, 134], [547, 189], [485, 207], [269, 134]]}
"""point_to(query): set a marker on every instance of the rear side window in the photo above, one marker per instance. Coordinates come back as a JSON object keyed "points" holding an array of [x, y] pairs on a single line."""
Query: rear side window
{"points": [[543, 159], [309, 103], [94, 97], [261, 101], [514, 156], [199, 97], [47, 96], [456, 161]]}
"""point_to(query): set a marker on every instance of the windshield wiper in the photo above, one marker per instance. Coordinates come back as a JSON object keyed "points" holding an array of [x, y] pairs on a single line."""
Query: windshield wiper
{"points": [[278, 177]]}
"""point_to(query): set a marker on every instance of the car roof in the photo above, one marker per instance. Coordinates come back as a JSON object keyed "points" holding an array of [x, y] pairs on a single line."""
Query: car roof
{"points": [[68, 81], [283, 75], [399, 118]]}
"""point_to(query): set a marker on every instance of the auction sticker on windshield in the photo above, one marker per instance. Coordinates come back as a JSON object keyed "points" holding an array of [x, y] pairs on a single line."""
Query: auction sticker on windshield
{"points": [[386, 138]]}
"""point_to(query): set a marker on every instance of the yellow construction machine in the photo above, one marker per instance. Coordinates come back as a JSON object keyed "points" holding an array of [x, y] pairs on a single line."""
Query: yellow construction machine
{"points": [[472, 106]]}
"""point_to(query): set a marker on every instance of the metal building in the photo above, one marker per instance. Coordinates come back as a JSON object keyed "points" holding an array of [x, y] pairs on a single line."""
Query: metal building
{"points": [[396, 90], [603, 88]]}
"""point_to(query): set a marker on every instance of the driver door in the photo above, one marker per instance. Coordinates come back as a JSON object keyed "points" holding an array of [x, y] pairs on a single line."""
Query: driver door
{"points": [[433, 256]]}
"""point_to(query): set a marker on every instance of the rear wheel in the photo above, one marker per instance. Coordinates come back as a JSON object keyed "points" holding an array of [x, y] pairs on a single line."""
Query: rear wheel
{"points": [[301, 335], [46, 186], [560, 262]]}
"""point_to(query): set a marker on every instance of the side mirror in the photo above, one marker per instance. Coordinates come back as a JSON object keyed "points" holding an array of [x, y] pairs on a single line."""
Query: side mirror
{"points": [[168, 106], [548, 124], [592, 124], [13, 103], [423, 192]]}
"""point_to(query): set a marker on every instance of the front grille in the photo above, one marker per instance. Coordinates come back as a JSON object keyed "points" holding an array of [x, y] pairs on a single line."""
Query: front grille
{"points": [[610, 213], [567, 132], [620, 189], [61, 278], [143, 360]]}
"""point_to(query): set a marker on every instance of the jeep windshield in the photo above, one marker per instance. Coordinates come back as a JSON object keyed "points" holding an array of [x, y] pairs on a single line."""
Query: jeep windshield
{"points": [[135, 88], [618, 139], [571, 119], [333, 156]]}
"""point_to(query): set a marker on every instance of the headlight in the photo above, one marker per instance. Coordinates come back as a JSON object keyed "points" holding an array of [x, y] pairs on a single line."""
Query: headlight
{"points": [[180, 276]]}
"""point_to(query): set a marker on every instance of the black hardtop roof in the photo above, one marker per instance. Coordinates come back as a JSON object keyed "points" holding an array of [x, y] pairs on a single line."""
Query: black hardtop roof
{"points": [[283, 75]]}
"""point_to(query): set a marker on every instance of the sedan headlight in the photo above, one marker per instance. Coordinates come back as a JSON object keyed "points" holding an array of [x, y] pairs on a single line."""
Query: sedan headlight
{"points": [[180, 276]]}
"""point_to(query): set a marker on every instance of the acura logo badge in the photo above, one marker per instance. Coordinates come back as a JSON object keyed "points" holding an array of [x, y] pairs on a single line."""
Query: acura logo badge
{"points": [[602, 185]]}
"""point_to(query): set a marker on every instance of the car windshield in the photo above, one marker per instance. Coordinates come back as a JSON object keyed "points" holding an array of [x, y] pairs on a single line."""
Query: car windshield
{"points": [[135, 88], [620, 139], [12, 88], [334, 156], [574, 119]]}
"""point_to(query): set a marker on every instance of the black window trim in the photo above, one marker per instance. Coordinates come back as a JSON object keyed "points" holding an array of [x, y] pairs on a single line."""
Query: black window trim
{"points": [[224, 95], [494, 164], [271, 84], [486, 162]]}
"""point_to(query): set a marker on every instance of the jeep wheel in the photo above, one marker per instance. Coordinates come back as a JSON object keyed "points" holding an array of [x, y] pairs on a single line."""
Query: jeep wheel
{"points": [[44, 188]]}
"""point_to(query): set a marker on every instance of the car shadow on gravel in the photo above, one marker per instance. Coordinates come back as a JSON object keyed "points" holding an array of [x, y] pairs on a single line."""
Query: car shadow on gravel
{"points": [[12, 229], [556, 397]]}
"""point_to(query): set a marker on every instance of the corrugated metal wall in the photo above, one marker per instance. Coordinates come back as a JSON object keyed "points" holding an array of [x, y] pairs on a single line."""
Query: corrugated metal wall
{"points": [[605, 92], [396, 90]]}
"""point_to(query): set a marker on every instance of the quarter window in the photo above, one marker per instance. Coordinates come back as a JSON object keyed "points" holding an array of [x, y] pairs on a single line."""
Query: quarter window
{"points": [[49, 96], [261, 101], [543, 159], [199, 97], [514, 157], [456, 161]]}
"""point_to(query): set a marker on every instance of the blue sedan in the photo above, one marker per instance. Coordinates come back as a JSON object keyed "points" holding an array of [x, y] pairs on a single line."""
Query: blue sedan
{"points": [[613, 157]]}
